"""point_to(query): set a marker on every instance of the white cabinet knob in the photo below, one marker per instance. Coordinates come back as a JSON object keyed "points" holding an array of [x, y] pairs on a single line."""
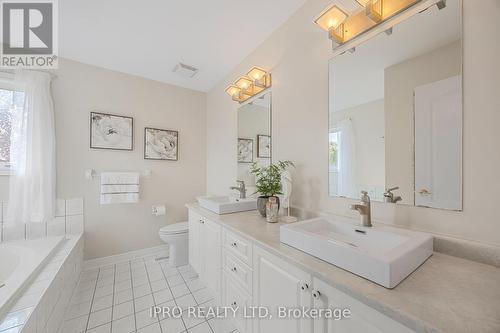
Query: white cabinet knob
{"points": [[233, 269], [316, 294], [304, 286]]}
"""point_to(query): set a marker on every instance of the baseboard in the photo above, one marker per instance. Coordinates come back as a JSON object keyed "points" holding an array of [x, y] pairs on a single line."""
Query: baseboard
{"points": [[117, 258]]}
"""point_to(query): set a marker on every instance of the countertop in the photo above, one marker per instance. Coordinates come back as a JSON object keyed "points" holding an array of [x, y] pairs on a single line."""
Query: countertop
{"points": [[445, 294]]}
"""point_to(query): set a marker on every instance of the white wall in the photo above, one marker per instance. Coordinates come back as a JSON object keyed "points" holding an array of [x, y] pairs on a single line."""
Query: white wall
{"points": [[113, 229], [298, 54], [368, 127]]}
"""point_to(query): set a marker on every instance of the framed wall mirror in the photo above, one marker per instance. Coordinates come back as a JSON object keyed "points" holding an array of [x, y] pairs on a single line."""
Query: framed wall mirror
{"points": [[254, 136], [395, 113]]}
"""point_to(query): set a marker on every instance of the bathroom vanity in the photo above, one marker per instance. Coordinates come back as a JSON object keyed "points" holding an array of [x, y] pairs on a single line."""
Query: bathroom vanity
{"points": [[247, 265]]}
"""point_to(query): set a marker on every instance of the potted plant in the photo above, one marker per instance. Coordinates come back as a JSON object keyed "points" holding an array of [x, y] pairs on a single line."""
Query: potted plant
{"points": [[268, 182]]}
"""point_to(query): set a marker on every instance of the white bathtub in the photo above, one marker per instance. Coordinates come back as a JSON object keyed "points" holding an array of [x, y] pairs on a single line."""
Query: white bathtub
{"points": [[19, 262]]}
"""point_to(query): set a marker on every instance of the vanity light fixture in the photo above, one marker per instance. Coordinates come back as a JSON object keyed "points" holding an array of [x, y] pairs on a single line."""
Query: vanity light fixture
{"points": [[261, 78], [343, 27], [254, 82], [332, 21], [245, 84], [375, 10], [234, 92]]}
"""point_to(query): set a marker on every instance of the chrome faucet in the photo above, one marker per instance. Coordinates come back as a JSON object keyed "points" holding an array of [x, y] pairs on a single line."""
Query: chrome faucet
{"points": [[389, 196], [241, 188], [364, 209]]}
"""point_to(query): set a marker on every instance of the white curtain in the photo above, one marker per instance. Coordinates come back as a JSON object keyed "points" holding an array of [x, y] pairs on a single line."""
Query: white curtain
{"points": [[346, 160], [32, 185]]}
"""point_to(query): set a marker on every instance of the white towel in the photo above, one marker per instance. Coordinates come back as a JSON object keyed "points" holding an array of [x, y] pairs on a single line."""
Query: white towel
{"points": [[119, 187], [123, 178], [107, 199]]}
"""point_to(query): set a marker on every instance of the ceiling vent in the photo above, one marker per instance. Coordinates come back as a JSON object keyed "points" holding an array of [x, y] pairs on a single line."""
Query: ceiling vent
{"points": [[185, 70]]}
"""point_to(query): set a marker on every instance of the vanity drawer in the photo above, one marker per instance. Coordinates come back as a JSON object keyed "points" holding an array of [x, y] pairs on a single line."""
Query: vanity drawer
{"points": [[238, 270], [233, 296], [238, 246]]}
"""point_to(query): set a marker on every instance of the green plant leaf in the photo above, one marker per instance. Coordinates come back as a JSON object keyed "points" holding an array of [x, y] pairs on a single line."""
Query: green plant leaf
{"points": [[268, 179]]}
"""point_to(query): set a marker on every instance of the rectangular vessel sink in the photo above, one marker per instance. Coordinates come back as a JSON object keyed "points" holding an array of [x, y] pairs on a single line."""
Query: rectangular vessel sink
{"points": [[381, 254], [227, 204]]}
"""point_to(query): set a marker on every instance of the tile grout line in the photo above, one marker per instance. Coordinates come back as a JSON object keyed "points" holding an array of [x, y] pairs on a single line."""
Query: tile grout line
{"points": [[152, 295], [132, 284], [173, 297], [113, 298], [197, 304], [92, 301], [91, 312]]}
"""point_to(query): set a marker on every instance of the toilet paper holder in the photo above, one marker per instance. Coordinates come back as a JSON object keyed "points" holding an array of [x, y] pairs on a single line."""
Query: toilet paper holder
{"points": [[158, 210]]}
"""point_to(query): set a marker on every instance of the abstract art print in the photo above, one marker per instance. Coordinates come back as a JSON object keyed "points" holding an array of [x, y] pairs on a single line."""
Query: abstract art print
{"points": [[109, 131], [245, 150], [160, 144], [264, 146]]}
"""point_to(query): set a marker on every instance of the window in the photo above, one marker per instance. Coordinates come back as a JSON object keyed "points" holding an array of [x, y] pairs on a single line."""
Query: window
{"points": [[334, 151], [11, 101]]}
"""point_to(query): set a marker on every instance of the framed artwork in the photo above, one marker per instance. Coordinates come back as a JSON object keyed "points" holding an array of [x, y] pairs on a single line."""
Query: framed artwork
{"points": [[264, 146], [108, 131], [161, 144], [245, 150]]}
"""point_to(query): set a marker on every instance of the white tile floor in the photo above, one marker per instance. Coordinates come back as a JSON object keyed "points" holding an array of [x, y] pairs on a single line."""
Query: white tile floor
{"points": [[117, 299]]}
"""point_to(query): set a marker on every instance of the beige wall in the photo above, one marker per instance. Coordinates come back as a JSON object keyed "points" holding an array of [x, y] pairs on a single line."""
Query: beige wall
{"points": [[400, 82], [113, 229], [298, 54]]}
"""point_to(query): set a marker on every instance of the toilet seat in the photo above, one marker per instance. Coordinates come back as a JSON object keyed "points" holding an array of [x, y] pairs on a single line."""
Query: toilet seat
{"points": [[174, 229]]}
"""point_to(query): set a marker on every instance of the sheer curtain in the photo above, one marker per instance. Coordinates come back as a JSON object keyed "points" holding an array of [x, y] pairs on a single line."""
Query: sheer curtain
{"points": [[32, 185], [346, 160]]}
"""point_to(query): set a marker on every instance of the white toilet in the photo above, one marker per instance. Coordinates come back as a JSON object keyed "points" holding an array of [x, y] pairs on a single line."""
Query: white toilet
{"points": [[176, 236]]}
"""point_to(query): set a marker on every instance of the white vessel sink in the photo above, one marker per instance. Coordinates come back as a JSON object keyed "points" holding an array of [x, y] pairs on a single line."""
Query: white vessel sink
{"points": [[383, 255], [227, 204]]}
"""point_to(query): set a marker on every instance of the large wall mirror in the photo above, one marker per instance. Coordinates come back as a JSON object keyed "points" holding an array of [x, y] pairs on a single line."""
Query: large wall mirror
{"points": [[396, 113], [254, 136]]}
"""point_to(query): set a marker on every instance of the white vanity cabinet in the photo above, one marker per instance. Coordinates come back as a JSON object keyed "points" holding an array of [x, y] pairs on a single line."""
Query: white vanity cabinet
{"points": [[243, 274], [205, 251], [362, 318], [277, 283]]}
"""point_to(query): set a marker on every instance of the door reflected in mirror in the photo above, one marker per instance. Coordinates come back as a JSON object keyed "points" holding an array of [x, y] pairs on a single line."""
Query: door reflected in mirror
{"points": [[396, 114], [254, 138]]}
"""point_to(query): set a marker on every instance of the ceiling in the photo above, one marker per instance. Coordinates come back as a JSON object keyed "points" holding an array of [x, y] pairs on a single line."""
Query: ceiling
{"points": [[148, 38], [358, 78]]}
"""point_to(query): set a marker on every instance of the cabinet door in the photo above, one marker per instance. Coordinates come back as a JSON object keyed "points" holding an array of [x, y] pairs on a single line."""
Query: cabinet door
{"points": [[362, 317], [279, 284], [194, 223], [210, 254]]}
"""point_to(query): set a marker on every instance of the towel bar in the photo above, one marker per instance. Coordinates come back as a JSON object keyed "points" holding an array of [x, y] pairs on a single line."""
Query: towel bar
{"points": [[92, 173]]}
